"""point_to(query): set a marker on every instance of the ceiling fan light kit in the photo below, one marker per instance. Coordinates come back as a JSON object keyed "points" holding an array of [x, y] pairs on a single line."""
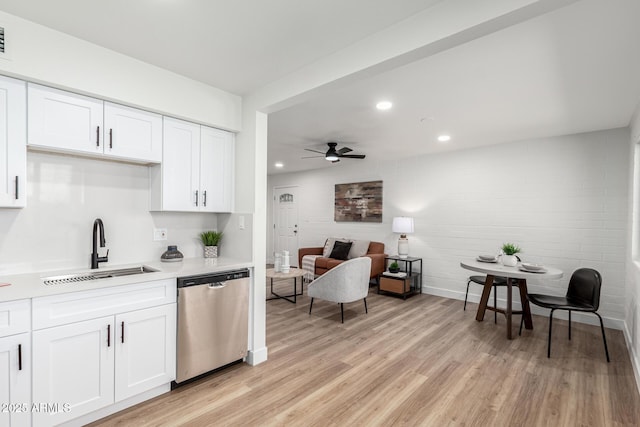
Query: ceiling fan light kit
{"points": [[334, 155]]}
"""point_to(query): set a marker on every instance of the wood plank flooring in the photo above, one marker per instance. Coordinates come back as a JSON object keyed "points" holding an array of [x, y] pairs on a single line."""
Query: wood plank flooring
{"points": [[423, 361]]}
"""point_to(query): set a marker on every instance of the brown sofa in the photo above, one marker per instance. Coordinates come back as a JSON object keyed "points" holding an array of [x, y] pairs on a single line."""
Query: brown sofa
{"points": [[322, 265]]}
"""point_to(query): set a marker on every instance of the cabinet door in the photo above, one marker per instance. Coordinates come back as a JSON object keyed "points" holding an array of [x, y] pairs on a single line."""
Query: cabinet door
{"points": [[180, 166], [145, 350], [64, 121], [73, 367], [216, 170], [132, 134], [15, 380], [13, 143]]}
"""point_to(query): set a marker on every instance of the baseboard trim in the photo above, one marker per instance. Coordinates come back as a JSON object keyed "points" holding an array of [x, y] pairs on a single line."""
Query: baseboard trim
{"points": [[255, 357], [585, 318], [118, 406], [632, 355]]}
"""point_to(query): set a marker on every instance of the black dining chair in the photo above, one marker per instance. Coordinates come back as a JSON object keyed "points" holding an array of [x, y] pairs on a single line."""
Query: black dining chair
{"points": [[497, 281], [582, 295]]}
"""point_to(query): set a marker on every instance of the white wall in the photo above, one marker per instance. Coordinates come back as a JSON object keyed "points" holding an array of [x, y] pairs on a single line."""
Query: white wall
{"points": [[40, 54], [66, 194], [632, 306], [562, 199]]}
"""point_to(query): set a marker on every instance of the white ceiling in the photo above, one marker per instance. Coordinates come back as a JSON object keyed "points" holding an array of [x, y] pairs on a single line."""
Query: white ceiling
{"points": [[234, 45], [572, 70]]}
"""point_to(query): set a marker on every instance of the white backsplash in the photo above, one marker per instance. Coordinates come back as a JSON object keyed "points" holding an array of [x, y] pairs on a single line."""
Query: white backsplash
{"points": [[66, 194]]}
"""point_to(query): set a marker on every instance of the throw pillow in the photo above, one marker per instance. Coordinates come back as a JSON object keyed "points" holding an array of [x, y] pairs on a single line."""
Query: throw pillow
{"points": [[328, 246], [340, 250], [358, 248]]}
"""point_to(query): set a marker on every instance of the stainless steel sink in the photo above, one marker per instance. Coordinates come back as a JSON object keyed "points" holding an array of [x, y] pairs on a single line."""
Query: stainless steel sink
{"points": [[96, 275]]}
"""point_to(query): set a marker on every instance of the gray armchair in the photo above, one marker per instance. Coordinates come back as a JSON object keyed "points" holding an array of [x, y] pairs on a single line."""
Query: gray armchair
{"points": [[347, 282]]}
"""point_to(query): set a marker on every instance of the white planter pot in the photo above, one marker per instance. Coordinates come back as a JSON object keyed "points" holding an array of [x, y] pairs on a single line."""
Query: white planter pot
{"points": [[211, 252], [509, 260]]}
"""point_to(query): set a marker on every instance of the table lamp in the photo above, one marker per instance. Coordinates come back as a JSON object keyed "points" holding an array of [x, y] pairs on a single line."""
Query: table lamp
{"points": [[402, 225]]}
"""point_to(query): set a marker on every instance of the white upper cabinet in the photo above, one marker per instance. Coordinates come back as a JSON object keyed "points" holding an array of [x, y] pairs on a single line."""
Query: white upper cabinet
{"points": [[179, 177], [132, 134], [13, 138], [68, 122], [216, 169], [65, 121], [196, 174]]}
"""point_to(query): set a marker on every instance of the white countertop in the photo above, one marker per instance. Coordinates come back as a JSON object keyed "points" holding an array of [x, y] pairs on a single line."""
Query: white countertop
{"points": [[31, 285]]}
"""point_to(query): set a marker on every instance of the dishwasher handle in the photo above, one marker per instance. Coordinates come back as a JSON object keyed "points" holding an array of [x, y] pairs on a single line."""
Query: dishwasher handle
{"points": [[217, 285]]}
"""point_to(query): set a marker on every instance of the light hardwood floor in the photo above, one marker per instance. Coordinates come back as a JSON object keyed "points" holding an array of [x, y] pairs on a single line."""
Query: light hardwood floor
{"points": [[423, 361]]}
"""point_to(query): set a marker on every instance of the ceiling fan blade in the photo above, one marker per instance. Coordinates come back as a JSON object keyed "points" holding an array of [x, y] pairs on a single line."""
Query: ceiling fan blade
{"points": [[335, 161], [312, 157], [353, 156], [344, 150], [315, 151]]}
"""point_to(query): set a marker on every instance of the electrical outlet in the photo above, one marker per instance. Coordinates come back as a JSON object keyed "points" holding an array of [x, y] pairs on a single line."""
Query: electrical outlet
{"points": [[159, 234]]}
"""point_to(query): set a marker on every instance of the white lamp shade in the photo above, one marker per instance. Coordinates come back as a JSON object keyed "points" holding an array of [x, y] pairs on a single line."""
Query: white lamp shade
{"points": [[402, 225]]}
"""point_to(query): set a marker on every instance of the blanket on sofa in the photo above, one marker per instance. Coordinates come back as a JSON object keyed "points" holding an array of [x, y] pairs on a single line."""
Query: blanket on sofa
{"points": [[308, 266]]}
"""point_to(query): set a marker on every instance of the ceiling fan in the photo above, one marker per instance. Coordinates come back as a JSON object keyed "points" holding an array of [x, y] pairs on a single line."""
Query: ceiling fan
{"points": [[334, 155]]}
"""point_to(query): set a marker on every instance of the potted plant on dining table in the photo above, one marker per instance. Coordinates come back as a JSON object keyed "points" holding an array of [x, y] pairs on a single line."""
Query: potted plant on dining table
{"points": [[509, 257]]}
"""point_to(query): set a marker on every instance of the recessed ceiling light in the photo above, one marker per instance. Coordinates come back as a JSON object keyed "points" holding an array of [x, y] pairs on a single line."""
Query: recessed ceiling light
{"points": [[444, 138], [384, 105], [279, 165]]}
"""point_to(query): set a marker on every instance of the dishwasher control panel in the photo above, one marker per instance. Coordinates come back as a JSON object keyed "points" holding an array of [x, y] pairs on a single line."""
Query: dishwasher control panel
{"points": [[212, 278]]}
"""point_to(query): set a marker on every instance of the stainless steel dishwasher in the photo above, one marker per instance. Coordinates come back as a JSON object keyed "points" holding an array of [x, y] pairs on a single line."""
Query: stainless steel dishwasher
{"points": [[213, 322]]}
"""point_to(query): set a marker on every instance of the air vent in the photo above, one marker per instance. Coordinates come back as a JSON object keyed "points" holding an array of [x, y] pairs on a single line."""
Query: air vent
{"points": [[1, 39]]}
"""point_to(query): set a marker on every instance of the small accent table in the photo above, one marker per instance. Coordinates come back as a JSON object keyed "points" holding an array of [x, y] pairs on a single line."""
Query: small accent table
{"points": [[405, 286], [494, 269], [293, 273]]}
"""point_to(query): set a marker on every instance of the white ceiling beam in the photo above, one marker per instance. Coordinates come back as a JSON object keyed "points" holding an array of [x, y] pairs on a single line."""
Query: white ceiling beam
{"points": [[447, 24]]}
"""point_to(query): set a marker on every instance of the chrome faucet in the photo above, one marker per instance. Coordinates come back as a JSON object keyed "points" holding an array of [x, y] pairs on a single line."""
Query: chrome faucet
{"points": [[95, 259]]}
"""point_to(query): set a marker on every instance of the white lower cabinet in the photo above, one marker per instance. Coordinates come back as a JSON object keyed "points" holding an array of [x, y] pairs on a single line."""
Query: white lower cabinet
{"points": [[15, 380], [15, 363], [145, 350], [87, 365], [73, 369]]}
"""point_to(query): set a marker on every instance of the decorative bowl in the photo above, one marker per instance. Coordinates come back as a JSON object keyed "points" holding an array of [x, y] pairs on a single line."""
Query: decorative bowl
{"points": [[532, 267]]}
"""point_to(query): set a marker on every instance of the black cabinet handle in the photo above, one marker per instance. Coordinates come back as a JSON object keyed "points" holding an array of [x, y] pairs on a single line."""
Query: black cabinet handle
{"points": [[98, 136], [109, 335], [17, 194], [122, 333], [196, 197], [19, 357], [204, 195], [110, 138]]}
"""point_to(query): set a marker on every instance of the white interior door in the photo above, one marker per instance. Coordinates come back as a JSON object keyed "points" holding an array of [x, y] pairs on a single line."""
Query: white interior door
{"points": [[285, 220]]}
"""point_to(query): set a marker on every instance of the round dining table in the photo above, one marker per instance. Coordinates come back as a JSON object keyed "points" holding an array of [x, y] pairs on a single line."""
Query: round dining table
{"points": [[496, 269]]}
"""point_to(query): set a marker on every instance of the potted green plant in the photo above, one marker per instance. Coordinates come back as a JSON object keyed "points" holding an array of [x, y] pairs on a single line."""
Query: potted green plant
{"points": [[394, 267], [509, 251], [210, 240]]}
